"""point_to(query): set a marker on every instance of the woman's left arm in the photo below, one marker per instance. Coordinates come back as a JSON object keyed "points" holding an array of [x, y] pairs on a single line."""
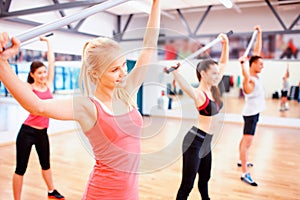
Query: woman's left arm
{"points": [[224, 55], [137, 75], [51, 61]]}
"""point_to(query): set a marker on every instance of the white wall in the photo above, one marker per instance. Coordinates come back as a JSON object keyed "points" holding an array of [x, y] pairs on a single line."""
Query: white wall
{"points": [[156, 79], [272, 78], [271, 74]]}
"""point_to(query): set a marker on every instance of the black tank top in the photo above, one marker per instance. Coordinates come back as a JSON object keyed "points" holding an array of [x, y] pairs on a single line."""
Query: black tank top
{"points": [[209, 108]]}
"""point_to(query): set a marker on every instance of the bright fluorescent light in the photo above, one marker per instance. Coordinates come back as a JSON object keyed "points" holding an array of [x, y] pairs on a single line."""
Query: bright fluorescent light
{"points": [[141, 6], [226, 3], [146, 8]]}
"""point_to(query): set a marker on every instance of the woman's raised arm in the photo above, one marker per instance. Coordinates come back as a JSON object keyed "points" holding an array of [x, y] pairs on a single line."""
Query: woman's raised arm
{"points": [[137, 76], [224, 55], [57, 109], [51, 61], [184, 85]]}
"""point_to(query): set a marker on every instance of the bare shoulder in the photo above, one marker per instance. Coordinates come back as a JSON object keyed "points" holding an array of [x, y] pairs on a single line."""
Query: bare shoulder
{"points": [[85, 112], [83, 104]]}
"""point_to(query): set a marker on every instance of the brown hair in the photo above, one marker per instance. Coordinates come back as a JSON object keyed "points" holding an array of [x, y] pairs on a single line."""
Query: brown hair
{"points": [[204, 66], [254, 59], [33, 67]]}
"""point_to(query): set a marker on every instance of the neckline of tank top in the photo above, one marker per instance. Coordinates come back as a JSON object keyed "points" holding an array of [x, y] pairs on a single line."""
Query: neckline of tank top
{"points": [[107, 110], [33, 89]]}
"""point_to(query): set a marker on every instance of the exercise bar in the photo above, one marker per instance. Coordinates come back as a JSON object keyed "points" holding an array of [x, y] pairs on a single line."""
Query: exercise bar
{"points": [[44, 28], [35, 40], [196, 53], [250, 43], [207, 46]]}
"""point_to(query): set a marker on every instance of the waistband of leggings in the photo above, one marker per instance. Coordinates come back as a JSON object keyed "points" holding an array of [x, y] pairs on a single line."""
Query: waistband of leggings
{"points": [[196, 131], [44, 130]]}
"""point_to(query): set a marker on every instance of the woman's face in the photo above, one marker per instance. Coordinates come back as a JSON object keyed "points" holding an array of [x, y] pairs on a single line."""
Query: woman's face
{"points": [[115, 74], [40, 75], [211, 75]]}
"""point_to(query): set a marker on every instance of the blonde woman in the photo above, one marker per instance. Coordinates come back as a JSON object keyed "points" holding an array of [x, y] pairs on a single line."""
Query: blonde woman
{"points": [[108, 116]]}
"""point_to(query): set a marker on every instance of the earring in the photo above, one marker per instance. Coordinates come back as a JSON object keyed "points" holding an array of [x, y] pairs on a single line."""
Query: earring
{"points": [[94, 75]]}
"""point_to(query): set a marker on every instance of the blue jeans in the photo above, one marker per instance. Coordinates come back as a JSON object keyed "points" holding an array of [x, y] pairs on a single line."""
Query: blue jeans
{"points": [[196, 159]]}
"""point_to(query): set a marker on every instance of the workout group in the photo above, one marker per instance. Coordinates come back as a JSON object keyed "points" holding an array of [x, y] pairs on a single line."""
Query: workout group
{"points": [[108, 115]]}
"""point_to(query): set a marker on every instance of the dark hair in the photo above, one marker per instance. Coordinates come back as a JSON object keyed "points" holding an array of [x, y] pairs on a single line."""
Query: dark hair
{"points": [[253, 59], [204, 66], [33, 67]]}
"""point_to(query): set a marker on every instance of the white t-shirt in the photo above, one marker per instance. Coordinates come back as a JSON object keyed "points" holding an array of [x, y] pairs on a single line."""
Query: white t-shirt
{"points": [[255, 101], [285, 85]]}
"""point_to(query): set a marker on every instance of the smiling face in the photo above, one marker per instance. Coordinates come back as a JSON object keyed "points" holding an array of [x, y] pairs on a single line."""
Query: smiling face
{"points": [[208, 71], [40, 75], [115, 74], [211, 75], [103, 64]]}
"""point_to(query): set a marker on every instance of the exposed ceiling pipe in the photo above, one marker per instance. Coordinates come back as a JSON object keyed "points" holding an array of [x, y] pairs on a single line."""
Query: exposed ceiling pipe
{"points": [[237, 6], [42, 29]]}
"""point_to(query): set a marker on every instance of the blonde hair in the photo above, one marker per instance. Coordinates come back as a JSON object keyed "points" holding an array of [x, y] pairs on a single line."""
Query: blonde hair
{"points": [[97, 55]]}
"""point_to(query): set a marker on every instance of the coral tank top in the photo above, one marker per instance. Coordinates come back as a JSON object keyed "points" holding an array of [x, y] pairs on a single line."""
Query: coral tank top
{"points": [[115, 140]]}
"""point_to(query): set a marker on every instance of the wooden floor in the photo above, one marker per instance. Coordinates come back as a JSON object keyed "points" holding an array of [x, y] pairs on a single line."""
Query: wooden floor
{"points": [[275, 154]]}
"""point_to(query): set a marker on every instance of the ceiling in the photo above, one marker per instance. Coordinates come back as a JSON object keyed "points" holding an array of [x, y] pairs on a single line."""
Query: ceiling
{"points": [[25, 11], [15, 8], [131, 7]]}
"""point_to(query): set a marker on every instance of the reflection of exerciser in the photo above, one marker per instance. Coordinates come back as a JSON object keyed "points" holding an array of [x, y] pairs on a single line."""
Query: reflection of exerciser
{"points": [[210, 44], [284, 90]]}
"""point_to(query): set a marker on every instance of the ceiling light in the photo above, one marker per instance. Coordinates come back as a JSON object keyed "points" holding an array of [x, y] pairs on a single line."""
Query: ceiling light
{"points": [[226, 3]]}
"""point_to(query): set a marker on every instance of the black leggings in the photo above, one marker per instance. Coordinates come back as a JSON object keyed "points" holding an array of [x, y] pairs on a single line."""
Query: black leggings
{"points": [[27, 137], [196, 159]]}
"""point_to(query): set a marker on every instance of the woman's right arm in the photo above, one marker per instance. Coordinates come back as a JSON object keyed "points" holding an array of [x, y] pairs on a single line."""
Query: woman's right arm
{"points": [[58, 109], [184, 85], [137, 75]]}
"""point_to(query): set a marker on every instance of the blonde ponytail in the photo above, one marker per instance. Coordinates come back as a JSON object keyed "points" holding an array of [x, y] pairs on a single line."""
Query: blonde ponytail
{"points": [[83, 76], [97, 55]]}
